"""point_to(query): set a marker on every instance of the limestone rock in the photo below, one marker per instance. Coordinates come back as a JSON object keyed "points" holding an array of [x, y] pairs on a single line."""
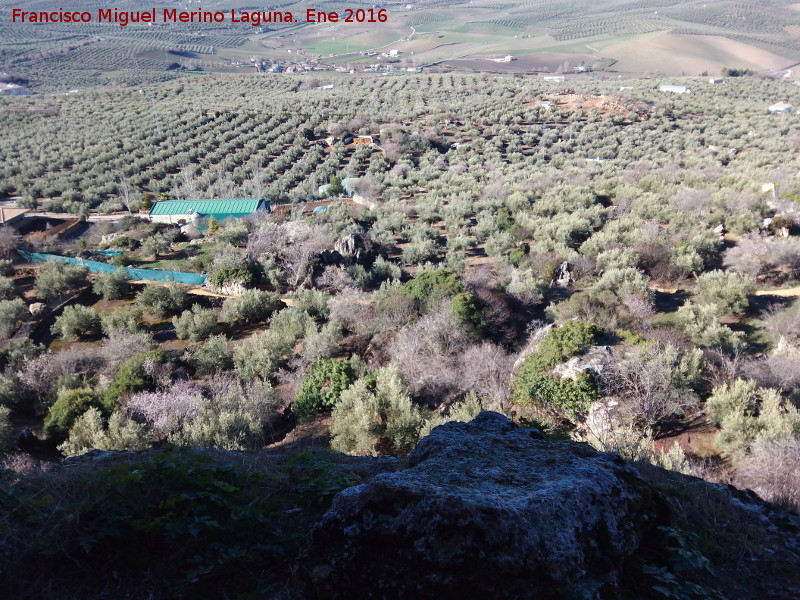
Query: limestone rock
{"points": [[563, 276], [351, 246], [592, 361], [485, 510], [37, 308]]}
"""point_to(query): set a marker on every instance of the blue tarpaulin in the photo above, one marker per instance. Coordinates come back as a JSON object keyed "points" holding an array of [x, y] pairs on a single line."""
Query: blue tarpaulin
{"points": [[133, 273]]}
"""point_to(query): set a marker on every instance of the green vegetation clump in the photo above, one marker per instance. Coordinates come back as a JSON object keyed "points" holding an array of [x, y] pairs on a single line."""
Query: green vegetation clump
{"points": [[252, 306], [127, 319], [90, 432], [195, 324], [467, 311], [56, 279], [134, 375], [238, 274], [11, 312], [112, 286], [161, 300], [561, 395], [532, 383], [6, 436], [210, 357], [8, 291], [75, 321], [322, 387], [727, 291], [748, 416], [430, 287], [70, 405], [561, 344], [376, 415]]}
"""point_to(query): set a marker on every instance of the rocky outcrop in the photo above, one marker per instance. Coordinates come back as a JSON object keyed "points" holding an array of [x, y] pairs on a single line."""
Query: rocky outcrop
{"points": [[563, 276], [592, 361], [487, 510]]}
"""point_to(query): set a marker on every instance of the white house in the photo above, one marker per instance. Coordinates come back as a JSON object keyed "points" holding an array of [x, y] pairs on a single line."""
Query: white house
{"points": [[781, 107], [675, 89]]}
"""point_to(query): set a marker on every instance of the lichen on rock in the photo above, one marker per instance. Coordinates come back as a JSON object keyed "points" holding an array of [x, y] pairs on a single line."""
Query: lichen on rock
{"points": [[487, 509]]}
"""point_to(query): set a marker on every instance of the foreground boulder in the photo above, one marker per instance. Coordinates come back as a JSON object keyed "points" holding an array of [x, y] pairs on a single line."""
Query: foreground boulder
{"points": [[487, 510]]}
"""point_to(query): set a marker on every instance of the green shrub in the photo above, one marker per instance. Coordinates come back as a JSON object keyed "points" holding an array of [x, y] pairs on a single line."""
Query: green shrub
{"points": [[516, 256], [58, 278], [11, 312], [215, 355], [326, 379], [726, 290], [253, 306], [430, 287], [526, 286], [132, 376], [70, 405], [572, 398], [686, 259], [112, 286], [161, 301], [155, 245], [239, 274], [127, 319], [90, 433], [623, 282], [8, 291], [262, 353], [701, 323], [13, 355], [419, 251], [466, 310], [561, 344], [738, 396], [375, 414], [617, 258], [313, 302], [75, 321], [195, 324], [6, 267], [754, 418], [383, 270], [6, 433]]}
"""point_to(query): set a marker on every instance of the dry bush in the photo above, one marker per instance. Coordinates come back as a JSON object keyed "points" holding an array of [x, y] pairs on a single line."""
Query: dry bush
{"points": [[119, 346], [39, 375], [783, 322], [756, 254], [652, 383], [486, 370], [428, 353], [772, 470]]}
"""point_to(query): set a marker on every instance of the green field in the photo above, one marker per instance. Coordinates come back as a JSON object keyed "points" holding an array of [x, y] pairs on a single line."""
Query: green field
{"points": [[660, 36]]}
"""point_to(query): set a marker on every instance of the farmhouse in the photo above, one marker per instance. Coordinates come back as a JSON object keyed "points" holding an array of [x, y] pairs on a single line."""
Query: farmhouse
{"points": [[361, 139], [675, 89], [12, 89], [781, 107], [348, 183], [11, 216], [175, 211]]}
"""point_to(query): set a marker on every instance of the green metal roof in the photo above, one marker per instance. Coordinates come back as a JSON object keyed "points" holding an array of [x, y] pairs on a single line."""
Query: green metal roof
{"points": [[219, 209]]}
